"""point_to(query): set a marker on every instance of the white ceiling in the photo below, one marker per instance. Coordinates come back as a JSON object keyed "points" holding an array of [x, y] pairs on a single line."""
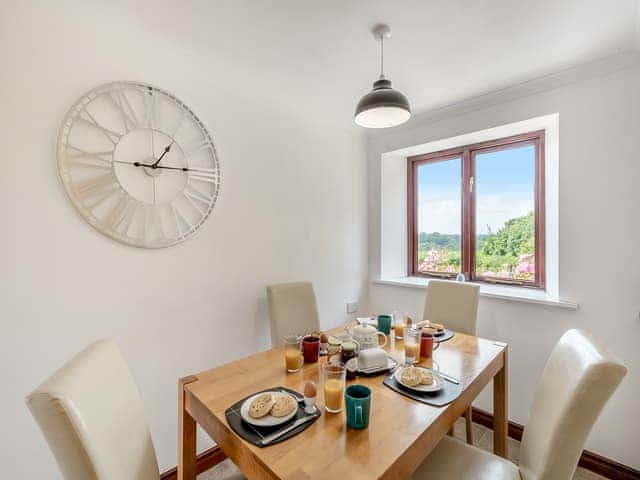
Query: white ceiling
{"points": [[320, 54]]}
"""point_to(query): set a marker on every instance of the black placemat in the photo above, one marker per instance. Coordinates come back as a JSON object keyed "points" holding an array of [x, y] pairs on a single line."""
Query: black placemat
{"points": [[253, 434], [448, 394]]}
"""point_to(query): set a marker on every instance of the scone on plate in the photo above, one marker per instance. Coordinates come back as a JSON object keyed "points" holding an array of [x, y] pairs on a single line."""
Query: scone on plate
{"points": [[411, 376], [261, 405], [426, 377], [283, 406], [433, 330]]}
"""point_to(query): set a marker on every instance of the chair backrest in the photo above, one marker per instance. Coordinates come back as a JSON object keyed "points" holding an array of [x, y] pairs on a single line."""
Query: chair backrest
{"points": [[92, 417], [454, 304], [292, 310], [578, 379]]}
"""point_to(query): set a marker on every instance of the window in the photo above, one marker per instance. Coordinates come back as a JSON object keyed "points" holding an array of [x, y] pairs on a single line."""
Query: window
{"points": [[479, 210]]}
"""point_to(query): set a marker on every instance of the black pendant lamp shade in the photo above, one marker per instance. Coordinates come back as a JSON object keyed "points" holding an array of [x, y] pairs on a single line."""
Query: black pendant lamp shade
{"points": [[383, 106]]}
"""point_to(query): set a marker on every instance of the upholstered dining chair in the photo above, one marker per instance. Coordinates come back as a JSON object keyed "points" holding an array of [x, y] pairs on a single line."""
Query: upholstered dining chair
{"points": [[292, 310], [579, 378], [455, 305], [92, 417]]}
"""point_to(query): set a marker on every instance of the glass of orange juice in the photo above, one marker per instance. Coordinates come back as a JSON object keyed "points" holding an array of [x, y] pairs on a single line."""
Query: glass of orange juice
{"points": [[293, 352], [334, 378], [399, 323], [411, 346]]}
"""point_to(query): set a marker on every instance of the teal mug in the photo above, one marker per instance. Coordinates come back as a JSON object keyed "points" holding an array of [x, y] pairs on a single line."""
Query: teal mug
{"points": [[384, 324], [358, 404]]}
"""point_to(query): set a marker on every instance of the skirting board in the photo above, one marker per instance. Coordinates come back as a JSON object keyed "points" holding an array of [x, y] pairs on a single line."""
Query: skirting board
{"points": [[591, 461]]}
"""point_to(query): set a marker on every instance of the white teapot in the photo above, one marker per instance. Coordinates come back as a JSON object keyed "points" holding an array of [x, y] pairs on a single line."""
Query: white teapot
{"points": [[366, 336]]}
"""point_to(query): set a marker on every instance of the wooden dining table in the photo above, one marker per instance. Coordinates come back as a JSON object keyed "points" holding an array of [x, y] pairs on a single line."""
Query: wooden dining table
{"points": [[401, 431]]}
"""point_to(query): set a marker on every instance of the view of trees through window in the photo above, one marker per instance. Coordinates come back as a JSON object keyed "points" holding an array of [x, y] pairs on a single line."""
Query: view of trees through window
{"points": [[439, 214], [507, 253], [503, 203]]}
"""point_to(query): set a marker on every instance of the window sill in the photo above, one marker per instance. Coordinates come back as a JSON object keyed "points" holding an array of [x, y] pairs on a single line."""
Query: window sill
{"points": [[501, 292]]}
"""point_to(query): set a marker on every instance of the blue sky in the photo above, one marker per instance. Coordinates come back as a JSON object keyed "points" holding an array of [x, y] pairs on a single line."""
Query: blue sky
{"points": [[504, 189]]}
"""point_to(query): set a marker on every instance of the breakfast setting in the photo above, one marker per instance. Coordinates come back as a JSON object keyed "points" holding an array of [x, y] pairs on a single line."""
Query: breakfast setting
{"points": [[326, 372]]}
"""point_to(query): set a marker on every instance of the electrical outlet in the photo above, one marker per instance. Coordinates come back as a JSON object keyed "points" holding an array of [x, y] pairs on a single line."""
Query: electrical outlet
{"points": [[352, 307]]}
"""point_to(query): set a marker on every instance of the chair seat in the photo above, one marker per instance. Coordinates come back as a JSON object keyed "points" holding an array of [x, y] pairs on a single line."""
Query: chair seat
{"points": [[455, 460]]}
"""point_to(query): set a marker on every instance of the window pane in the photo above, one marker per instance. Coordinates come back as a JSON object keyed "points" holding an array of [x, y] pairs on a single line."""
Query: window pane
{"points": [[505, 183], [439, 213]]}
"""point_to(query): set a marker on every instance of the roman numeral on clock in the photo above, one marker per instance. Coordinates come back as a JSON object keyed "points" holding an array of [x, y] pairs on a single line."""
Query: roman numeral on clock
{"points": [[78, 157], [88, 119], [95, 190], [153, 226], [180, 221], [207, 175], [196, 195], [150, 108], [196, 147], [122, 215], [125, 110]]}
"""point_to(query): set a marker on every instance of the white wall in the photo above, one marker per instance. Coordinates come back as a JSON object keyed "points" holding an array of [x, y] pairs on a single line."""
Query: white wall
{"points": [[292, 207], [599, 232]]}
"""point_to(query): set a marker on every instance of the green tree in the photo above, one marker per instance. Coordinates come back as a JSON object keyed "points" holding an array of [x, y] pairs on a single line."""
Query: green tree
{"points": [[513, 239]]}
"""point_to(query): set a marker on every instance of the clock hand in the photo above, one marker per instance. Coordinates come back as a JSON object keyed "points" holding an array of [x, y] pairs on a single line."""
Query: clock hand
{"points": [[154, 166], [136, 164], [184, 169], [127, 163], [151, 165], [148, 165], [166, 150], [181, 169]]}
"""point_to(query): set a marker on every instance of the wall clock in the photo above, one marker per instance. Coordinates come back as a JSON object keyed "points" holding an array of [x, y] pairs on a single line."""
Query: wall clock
{"points": [[138, 164]]}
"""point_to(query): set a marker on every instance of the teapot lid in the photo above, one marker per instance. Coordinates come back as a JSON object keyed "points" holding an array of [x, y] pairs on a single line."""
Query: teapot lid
{"points": [[365, 328]]}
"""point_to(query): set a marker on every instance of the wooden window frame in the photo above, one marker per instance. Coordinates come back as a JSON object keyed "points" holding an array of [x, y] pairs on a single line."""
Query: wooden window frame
{"points": [[467, 154]]}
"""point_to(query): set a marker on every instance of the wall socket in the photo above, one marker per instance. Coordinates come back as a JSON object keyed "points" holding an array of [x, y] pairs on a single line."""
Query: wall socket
{"points": [[352, 307]]}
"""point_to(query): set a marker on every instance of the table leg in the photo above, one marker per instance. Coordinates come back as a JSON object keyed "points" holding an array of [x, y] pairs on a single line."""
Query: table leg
{"points": [[186, 435], [500, 414]]}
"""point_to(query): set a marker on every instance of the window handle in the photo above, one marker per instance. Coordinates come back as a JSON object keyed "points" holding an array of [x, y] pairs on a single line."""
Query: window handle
{"points": [[471, 180]]}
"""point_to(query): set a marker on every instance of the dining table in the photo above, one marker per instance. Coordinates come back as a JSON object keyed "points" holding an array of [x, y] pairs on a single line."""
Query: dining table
{"points": [[401, 432]]}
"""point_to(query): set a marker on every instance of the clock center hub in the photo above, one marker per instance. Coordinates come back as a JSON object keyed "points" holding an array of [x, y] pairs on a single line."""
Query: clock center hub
{"points": [[148, 164], [152, 172]]}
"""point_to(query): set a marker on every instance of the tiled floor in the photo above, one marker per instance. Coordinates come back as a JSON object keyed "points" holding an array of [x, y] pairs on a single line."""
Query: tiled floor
{"points": [[482, 437], [219, 472]]}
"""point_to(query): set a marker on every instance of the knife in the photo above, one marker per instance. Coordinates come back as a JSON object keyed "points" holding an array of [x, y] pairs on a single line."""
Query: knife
{"points": [[274, 436], [299, 398], [448, 378]]}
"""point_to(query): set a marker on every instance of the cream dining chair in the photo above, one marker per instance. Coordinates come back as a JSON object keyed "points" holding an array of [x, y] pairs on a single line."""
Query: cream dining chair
{"points": [[579, 378], [455, 305], [292, 310], [92, 417]]}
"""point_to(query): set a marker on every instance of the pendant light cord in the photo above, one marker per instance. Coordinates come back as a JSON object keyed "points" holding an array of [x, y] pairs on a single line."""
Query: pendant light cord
{"points": [[381, 57]]}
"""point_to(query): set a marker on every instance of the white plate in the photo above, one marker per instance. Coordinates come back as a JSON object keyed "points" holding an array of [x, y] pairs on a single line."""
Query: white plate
{"points": [[267, 420], [438, 383]]}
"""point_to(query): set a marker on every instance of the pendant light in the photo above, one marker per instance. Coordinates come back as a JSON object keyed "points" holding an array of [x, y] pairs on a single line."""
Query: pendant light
{"points": [[383, 106]]}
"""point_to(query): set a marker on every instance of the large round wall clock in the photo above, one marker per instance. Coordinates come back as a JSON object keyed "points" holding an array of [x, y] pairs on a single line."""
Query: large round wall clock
{"points": [[138, 164]]}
